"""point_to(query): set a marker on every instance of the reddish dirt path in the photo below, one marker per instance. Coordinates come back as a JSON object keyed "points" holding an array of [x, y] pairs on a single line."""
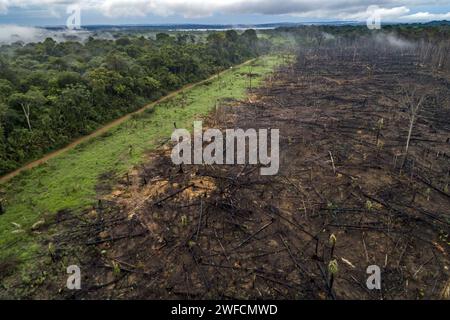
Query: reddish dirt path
{"points": [[107, 127]]}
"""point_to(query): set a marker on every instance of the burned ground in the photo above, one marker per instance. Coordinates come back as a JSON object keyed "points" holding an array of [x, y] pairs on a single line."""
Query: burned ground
{"points": [[228, 232]]}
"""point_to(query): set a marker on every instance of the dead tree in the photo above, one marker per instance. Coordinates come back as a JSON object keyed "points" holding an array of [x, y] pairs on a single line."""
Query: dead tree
{"points": [[26, 112], [413, 101], [250, 75]]}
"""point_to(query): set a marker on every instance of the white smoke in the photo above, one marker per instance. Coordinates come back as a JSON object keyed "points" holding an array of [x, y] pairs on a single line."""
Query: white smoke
{"points": [[328, 36], [393, 41]]}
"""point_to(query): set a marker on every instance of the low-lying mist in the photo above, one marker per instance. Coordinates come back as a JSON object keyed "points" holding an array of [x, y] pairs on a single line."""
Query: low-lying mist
{"points": [[13, 33]]}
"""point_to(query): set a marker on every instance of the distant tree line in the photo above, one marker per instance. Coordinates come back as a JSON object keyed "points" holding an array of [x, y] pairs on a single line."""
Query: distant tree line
{"points": [[51, 93], [429, 42], [413, 31]]}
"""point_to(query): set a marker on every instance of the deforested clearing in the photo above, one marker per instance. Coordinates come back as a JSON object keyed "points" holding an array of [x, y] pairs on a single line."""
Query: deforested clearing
{"points": [[363, 184]]}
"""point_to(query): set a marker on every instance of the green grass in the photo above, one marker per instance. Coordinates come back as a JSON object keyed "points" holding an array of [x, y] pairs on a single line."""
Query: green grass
{"points": [[69, 181]]}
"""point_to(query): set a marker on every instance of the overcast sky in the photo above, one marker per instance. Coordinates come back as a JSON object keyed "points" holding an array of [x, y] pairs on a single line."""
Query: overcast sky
{"points": [[54, 12]]}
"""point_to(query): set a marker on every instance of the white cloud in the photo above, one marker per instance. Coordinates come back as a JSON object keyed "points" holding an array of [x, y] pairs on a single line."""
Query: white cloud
{"points": [[330, 9], [426, 16], [384, 13], [3, 6], [42, 4]]}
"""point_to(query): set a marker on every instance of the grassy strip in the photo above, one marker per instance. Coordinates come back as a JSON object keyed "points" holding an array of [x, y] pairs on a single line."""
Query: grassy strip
{"points": [[69, 181]]}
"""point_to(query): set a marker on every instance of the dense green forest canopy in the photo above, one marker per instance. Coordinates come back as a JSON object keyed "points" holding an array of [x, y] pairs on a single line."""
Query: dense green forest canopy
{"points": [[52, 93]]}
